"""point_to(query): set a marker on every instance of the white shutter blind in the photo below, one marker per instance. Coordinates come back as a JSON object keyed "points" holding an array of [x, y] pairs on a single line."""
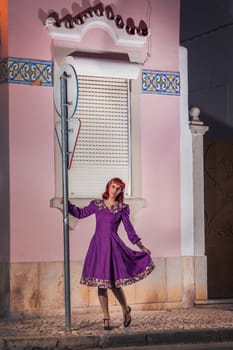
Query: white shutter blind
{"points": [[102, 150]]}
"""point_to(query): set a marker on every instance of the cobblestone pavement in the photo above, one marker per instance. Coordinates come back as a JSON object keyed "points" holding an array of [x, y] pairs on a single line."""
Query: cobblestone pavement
{"points": [[90, 323]]}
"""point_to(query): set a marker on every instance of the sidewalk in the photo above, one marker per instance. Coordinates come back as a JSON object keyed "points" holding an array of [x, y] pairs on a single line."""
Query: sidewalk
{"points": [[147, 328]]}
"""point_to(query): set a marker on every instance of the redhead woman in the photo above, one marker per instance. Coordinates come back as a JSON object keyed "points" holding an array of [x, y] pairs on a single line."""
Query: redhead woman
{"points": [[109, 262]]}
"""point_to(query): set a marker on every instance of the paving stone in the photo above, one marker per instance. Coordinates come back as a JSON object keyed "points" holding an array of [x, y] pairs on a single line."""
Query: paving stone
{"points": [[91, 323]]}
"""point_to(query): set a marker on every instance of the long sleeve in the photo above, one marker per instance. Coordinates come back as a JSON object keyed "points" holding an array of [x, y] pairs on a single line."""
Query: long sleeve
{"points": [[81, 213], [131, 233]]}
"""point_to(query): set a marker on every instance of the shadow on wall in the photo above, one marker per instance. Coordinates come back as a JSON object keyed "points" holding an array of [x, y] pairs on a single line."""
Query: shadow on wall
{"points": [[218, 130]]}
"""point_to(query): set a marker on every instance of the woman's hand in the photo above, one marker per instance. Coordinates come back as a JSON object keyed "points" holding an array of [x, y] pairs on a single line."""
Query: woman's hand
{"points": [[143, 248]]}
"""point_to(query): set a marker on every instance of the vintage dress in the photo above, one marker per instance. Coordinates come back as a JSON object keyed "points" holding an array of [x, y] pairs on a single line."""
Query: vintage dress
{"points": [[109, 262]]}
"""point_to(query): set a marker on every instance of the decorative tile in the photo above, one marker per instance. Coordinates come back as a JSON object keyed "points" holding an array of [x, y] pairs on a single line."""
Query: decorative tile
{"points": [[35, 72], [165, 83], [26, 71]]}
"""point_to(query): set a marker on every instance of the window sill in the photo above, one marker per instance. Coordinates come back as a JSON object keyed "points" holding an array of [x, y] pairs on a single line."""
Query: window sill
{"points": [[135, 205]]}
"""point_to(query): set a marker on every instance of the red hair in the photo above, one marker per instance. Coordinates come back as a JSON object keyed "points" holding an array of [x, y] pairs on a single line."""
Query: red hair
{"points": [[121, 184]]}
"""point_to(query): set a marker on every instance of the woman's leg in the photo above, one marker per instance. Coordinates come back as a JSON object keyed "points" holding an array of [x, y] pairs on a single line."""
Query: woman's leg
{"points": [[103, 299], [120, 295]]}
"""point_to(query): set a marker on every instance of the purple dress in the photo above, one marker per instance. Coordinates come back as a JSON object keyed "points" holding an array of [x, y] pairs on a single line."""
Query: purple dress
{"points": [[109, 263]]}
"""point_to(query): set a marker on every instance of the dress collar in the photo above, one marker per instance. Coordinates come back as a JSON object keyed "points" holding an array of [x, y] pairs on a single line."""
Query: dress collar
{"points": [[114, 208]]}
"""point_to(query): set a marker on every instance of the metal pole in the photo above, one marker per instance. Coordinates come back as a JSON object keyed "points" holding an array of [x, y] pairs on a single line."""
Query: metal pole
{"points": [[64, 138]]}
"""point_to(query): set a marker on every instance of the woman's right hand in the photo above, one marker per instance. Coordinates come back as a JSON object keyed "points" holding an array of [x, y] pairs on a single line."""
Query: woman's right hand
{"points": [[143, 248]]}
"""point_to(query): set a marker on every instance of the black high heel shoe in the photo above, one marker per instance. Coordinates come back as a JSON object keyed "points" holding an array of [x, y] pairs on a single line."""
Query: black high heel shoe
{"points": [[127, 319], [107, 326]]}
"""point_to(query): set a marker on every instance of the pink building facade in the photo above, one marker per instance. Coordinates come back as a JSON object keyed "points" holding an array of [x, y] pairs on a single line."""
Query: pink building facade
{"points": [[32, 49]]}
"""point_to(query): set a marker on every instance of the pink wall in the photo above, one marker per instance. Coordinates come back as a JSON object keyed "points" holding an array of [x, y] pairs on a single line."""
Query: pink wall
{"points": [[28, 38], [34, 225], [36, 229], [4, 176], [164, 36], [160, 174]]}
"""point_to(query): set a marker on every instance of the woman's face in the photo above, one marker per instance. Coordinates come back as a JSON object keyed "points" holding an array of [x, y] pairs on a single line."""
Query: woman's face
{"points": [[114, 190]]}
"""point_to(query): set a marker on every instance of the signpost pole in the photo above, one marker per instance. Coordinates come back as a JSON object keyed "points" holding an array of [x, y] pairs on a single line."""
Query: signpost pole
{"points": [[65, 164], [66, 87]]}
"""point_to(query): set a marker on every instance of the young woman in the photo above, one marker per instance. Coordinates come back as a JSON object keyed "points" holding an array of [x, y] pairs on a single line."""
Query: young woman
{"points": [[109, 263]]}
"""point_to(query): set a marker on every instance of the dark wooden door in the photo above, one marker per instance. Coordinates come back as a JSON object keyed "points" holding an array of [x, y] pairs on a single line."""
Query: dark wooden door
{"points": [[218, 191]]}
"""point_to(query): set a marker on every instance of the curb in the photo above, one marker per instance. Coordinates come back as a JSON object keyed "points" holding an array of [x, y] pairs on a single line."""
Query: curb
{"points": [[118, 340]]}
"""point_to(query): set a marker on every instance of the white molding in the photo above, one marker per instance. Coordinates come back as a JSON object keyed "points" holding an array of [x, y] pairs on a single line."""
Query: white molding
{"points": [[186, 162], [120, 36], [198, 132]]}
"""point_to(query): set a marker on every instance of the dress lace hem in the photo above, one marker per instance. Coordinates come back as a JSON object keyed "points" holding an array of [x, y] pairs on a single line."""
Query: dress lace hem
{"points": [[95, 282]]}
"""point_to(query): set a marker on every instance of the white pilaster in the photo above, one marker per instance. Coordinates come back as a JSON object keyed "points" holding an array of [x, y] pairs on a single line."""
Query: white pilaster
{"points": [[198, 130], [186, 162]]}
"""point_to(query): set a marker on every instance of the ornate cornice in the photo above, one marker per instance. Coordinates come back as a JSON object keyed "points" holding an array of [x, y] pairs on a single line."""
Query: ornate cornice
{"points": [[99, 16]]}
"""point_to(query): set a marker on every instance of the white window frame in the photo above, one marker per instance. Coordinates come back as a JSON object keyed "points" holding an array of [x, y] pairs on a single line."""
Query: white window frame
{"points": [[135, 198]]}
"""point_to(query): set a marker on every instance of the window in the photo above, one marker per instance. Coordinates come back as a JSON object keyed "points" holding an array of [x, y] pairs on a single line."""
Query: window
{"points": [[103, 149], [109, 142]]}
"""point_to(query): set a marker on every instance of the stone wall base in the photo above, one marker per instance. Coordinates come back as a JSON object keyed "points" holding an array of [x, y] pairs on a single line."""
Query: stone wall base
{"points": [[4, 289], [39, 287]]}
